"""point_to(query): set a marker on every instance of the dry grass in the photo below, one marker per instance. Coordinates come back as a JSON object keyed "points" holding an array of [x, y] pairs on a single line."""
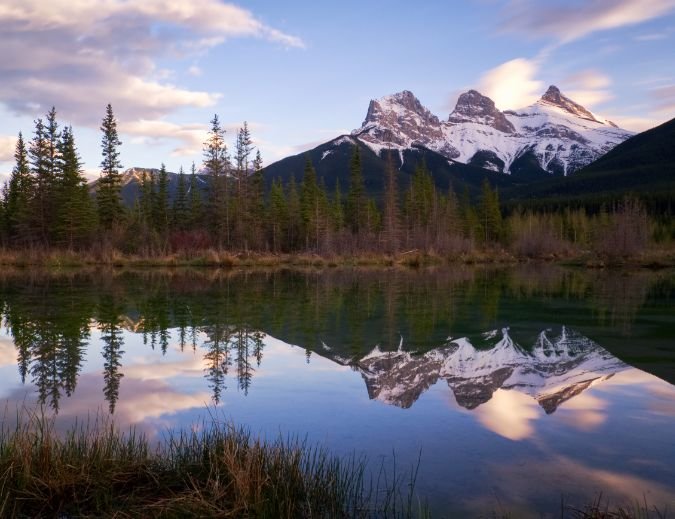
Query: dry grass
{"points": [[663, 257], [214, 470]]}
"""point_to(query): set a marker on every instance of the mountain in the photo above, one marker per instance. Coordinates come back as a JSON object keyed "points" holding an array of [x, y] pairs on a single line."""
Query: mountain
{"points": [[643, 164], [331, 161], [554, 135], [555, 369], [132, 179]]}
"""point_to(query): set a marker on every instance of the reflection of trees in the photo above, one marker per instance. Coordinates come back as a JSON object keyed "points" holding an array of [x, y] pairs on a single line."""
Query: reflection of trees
{"points": [[227, 345], [217, 357], [50, 334], [227, 314], [111, 336]]}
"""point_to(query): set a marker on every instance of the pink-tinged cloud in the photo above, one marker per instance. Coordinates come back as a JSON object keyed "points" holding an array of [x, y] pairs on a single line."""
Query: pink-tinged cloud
{"points": [[79, 55], [568, 21], [512, 84], [7, 145]]}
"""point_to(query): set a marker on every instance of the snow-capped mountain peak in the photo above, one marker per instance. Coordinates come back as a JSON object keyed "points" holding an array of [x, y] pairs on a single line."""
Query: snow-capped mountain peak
{"points": [[554, 135], [400, 121], [554, 97], [474, 107]]}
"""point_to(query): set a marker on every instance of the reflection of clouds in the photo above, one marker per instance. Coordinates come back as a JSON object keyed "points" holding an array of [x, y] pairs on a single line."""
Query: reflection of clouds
{"points": [[7, 352], [659, 394], [509, 414], [147, 368], [571, 478], [139, 402], [584, 412]]}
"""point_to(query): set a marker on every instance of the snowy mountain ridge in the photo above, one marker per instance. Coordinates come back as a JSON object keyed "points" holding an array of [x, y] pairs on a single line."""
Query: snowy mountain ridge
{"points": [[554, 370], [556, 132]]}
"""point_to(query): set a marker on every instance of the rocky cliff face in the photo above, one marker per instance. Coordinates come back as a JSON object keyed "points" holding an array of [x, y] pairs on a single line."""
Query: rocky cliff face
{"points": [[473, 107], [556, 133]]}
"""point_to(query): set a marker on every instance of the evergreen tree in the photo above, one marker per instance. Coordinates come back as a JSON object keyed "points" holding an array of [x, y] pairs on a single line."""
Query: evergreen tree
{"points": [[146, 201], [373, 216], [110, 208], [181, 213], [310, 205], [52, 137], [391, 223], [38, 154], [18, 196], [75, 214], [278, 215], [294, 214], [162, 202], [195, 200], [357, 203], [338, 208], [470, 221], [217, 164], [257, 200], [490, 216]]}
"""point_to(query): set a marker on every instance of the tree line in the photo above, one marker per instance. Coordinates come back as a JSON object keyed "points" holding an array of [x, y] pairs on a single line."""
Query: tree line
{"points": [[226, 205]]}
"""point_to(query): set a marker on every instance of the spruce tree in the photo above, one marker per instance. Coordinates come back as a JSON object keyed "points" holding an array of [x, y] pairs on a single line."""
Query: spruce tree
{"points": [[356, 198], [195, 200], [278, 215], [162, 202], [391, 217], [18, 196], [338, 208], [38, 154], [146, 201], [257, 200], [217, 164], [74, 214], [294, 214], [110, 209], [180, 203], [489, 213], [309, 204]]}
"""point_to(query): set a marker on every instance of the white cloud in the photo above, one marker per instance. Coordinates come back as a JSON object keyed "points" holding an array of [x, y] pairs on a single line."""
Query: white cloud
{"points": [[588, 87], [194, 70], [79, 55], [567, 21], [665, 99], [7, 145], [190, 137], [512, 84]]}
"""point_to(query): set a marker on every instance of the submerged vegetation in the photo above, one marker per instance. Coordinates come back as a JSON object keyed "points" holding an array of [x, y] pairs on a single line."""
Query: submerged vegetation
{"points": [[215, 470], [229, 213]]}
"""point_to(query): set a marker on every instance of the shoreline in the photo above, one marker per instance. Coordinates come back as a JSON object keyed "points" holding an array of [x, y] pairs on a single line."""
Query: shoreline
{"points": [[652, 259]]}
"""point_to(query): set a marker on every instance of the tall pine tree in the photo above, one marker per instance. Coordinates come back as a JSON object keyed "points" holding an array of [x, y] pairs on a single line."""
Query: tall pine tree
{"points": [[217, 164], [75, 217], [357, 203], [110, 208], [18, 196]]}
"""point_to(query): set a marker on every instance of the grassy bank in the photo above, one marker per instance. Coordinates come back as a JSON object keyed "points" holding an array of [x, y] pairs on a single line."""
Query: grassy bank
{"points": [[212, 471], [653, 258]]}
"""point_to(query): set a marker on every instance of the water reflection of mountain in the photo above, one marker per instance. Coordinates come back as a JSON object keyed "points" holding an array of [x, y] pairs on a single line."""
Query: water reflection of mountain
{"points": [[556, 368], [53, 318]]}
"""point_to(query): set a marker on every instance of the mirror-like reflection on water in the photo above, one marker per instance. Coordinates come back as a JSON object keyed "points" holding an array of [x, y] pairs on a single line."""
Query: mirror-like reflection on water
{"points": [[514, 387]]}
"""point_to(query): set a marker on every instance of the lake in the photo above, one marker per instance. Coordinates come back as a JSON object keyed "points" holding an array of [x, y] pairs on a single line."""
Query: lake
{"points": [[513, 389]]}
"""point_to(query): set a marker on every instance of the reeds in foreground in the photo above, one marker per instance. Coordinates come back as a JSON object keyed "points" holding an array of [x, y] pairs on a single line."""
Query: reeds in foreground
{"points": [[215, 470]]}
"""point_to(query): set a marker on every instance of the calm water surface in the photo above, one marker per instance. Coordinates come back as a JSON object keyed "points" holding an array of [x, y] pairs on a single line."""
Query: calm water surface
{"points": [[514, 388]]}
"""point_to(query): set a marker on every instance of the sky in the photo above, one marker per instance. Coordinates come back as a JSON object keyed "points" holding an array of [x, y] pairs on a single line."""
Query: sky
{"points": [[302, 72]]}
